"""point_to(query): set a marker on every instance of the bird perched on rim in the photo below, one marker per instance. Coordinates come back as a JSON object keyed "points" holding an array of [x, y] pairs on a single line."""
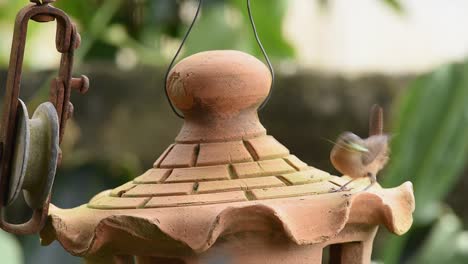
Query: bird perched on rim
{"points": [[357, 157]]}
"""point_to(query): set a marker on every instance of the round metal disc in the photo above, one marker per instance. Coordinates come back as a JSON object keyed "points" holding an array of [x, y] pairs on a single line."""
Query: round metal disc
{"points": [[43, 155], [20, 154]]}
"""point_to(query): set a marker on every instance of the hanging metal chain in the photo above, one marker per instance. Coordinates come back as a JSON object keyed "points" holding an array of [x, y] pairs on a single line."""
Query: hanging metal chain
{"points": [[257, 38]]}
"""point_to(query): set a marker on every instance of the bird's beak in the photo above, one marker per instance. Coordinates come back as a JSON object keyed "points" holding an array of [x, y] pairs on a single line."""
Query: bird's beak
{"points": [[358, 147]]}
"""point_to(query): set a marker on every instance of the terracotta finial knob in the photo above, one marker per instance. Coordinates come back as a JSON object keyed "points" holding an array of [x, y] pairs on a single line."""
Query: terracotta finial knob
{"points": [[221, 81], [219, 93]]}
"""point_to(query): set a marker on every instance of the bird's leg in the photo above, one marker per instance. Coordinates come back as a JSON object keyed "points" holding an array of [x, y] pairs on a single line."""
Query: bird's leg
{"points": [[343, 188], [372, 179]]}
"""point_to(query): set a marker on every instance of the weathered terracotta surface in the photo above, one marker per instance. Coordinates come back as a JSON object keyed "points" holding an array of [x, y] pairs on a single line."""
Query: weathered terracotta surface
{"points": [[227, 190], [218, 93]]}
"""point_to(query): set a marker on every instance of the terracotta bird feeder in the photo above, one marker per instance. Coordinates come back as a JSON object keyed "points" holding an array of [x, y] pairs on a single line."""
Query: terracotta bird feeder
{"points": [[225, 192]]}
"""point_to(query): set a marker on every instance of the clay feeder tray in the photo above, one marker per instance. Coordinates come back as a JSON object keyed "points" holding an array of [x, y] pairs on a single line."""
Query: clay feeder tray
{"points": [[225, 191]]}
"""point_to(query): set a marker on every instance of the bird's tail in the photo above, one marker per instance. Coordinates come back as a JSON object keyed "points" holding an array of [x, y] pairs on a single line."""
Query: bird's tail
{"points": [[376, 120]]}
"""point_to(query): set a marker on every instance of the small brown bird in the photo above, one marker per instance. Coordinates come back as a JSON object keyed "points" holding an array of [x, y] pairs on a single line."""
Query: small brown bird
{"points": [[357, 157]]}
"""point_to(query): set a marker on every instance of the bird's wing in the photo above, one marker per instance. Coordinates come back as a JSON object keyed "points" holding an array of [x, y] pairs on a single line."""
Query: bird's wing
{"points": [[377, 145]]}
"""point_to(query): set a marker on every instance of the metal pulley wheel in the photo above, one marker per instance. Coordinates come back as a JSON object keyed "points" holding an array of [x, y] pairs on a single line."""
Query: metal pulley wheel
{"points": [[29, 148], [35, 155]]}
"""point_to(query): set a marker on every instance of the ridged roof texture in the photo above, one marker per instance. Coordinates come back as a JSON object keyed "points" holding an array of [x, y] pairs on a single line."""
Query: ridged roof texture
{"points": [[223, 174], [234, 171]]}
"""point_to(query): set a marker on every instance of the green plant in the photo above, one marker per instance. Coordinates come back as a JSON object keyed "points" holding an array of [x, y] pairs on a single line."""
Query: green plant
{"points": [[431, 145], [446, 243], [10, 249]]}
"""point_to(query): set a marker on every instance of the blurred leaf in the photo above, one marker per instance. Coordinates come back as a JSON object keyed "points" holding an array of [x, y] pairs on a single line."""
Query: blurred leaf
{"points": [[211, 25], [9, 9], [324, 4], [8, 12], [227, 26], [81, 12], [422, 151], [395, 4], [431, 147], [10, 249], [268, 16], [98, 24], [443, 243], [393, 248]]}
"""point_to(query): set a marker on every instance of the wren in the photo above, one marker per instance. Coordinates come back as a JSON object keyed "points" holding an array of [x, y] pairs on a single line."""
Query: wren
{"points": [[357, 157]]}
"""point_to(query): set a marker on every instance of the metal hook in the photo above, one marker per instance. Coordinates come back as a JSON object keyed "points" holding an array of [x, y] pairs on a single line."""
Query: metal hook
{"points": [[257, 38]]}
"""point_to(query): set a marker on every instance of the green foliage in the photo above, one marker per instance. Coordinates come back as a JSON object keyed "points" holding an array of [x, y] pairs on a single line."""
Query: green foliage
{"points": [[224, 23], [395, 4], [447, 243], [10, 249], [212, 22], [268, 17], [227, 26], [8, 9], [146, 24], [430, 146]]}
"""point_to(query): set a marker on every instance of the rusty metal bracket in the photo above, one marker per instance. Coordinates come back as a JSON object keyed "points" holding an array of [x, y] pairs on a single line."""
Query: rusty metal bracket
{"points": [[67, 40]]}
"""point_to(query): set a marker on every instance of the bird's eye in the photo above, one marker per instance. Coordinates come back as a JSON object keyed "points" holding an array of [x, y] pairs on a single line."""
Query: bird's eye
{"points": [[346, 141]]}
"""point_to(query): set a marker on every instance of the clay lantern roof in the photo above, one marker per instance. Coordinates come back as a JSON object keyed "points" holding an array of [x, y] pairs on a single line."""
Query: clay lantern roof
{"points": [[226, 190]]}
